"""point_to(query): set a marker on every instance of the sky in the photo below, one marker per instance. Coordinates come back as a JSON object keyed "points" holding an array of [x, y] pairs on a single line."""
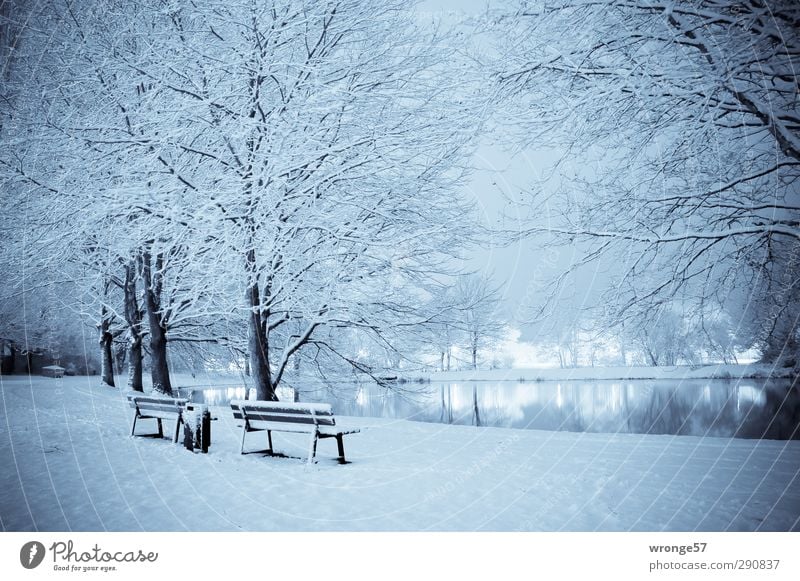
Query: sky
{"points": [[499, 187]]}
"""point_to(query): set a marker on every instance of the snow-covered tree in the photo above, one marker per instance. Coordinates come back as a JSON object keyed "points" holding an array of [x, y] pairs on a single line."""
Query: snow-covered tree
{"points": [[323, 142], [79, 172], [680, 129], [440, 331], [479, 317], [286, 168]]}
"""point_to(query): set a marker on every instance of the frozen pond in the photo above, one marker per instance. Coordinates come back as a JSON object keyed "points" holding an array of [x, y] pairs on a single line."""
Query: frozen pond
{"points": [[748, 408]]}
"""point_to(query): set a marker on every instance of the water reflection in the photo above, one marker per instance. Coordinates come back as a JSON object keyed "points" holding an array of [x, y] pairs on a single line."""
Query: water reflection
{"points": [[222, 395], [748, 408]]}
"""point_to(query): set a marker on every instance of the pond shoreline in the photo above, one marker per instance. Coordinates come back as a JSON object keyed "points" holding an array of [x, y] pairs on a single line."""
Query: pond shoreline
{"points": [[741, 408], [184, 380], [721, 371]]}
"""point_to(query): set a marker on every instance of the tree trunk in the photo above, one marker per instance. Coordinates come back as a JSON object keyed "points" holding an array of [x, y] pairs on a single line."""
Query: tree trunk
{"points": [[120, 357], [133, 316], [259, 366], [158, 354], [106, 352], [159, 368], [135, 364], [258, 342]]}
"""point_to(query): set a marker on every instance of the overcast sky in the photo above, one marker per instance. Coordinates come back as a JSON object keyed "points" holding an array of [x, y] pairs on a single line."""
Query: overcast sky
{"points": [[497, 186]]}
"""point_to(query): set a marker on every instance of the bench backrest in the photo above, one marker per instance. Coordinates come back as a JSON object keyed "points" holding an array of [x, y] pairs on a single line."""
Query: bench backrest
{"points": [[299, 414], [155, 405]]}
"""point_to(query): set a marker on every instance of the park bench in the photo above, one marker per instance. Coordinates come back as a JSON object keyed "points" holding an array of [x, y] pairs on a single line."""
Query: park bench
{"points": [[158, 408], [53, 371], [309, 418]]}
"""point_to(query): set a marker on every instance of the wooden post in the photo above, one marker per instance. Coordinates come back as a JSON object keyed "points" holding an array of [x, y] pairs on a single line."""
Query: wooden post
{"points": [[178, 421], [197, 431], [188, 437], [340, 445], [312, 448], [205, 431]]}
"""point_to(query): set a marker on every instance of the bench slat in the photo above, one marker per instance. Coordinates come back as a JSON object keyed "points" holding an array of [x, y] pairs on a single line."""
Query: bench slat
{"points": [[144, 399], [300, 413], [151, 397], [157, 406], [324, 431], [284, 419], [163, 414], [283, 427], [317, 409]]}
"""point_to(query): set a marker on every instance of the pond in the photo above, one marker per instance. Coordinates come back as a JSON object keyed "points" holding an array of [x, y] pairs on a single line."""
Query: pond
{"points": [[747, 408]]}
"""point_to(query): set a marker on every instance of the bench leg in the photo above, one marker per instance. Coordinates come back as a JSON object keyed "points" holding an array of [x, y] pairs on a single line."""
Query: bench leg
{"points": [[244, 432], [160, 428], [178, 423], [312, 451], [133, 424], [269, 441], [340, 445]]}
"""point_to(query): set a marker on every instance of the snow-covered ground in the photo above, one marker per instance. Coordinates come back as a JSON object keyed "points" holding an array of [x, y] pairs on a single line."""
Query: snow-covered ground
{"points": [[720, 371], [69, 464]]}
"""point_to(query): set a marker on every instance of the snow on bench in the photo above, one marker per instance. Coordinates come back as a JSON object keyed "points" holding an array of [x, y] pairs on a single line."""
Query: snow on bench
{"points": [[307, 418], [159, 408], [53, 371]]}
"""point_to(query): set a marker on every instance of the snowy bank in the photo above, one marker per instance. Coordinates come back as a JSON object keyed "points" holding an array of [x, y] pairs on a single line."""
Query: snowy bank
{"points": [[677, 372], [69, 464]]}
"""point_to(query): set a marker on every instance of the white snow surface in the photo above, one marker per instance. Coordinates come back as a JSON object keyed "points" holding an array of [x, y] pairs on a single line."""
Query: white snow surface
{"points": [[69, 464]]}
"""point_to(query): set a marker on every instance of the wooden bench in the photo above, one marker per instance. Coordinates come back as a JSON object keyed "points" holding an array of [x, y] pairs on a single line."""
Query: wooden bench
{"points": [[55, 371], [308, 418], [158, 408]]}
